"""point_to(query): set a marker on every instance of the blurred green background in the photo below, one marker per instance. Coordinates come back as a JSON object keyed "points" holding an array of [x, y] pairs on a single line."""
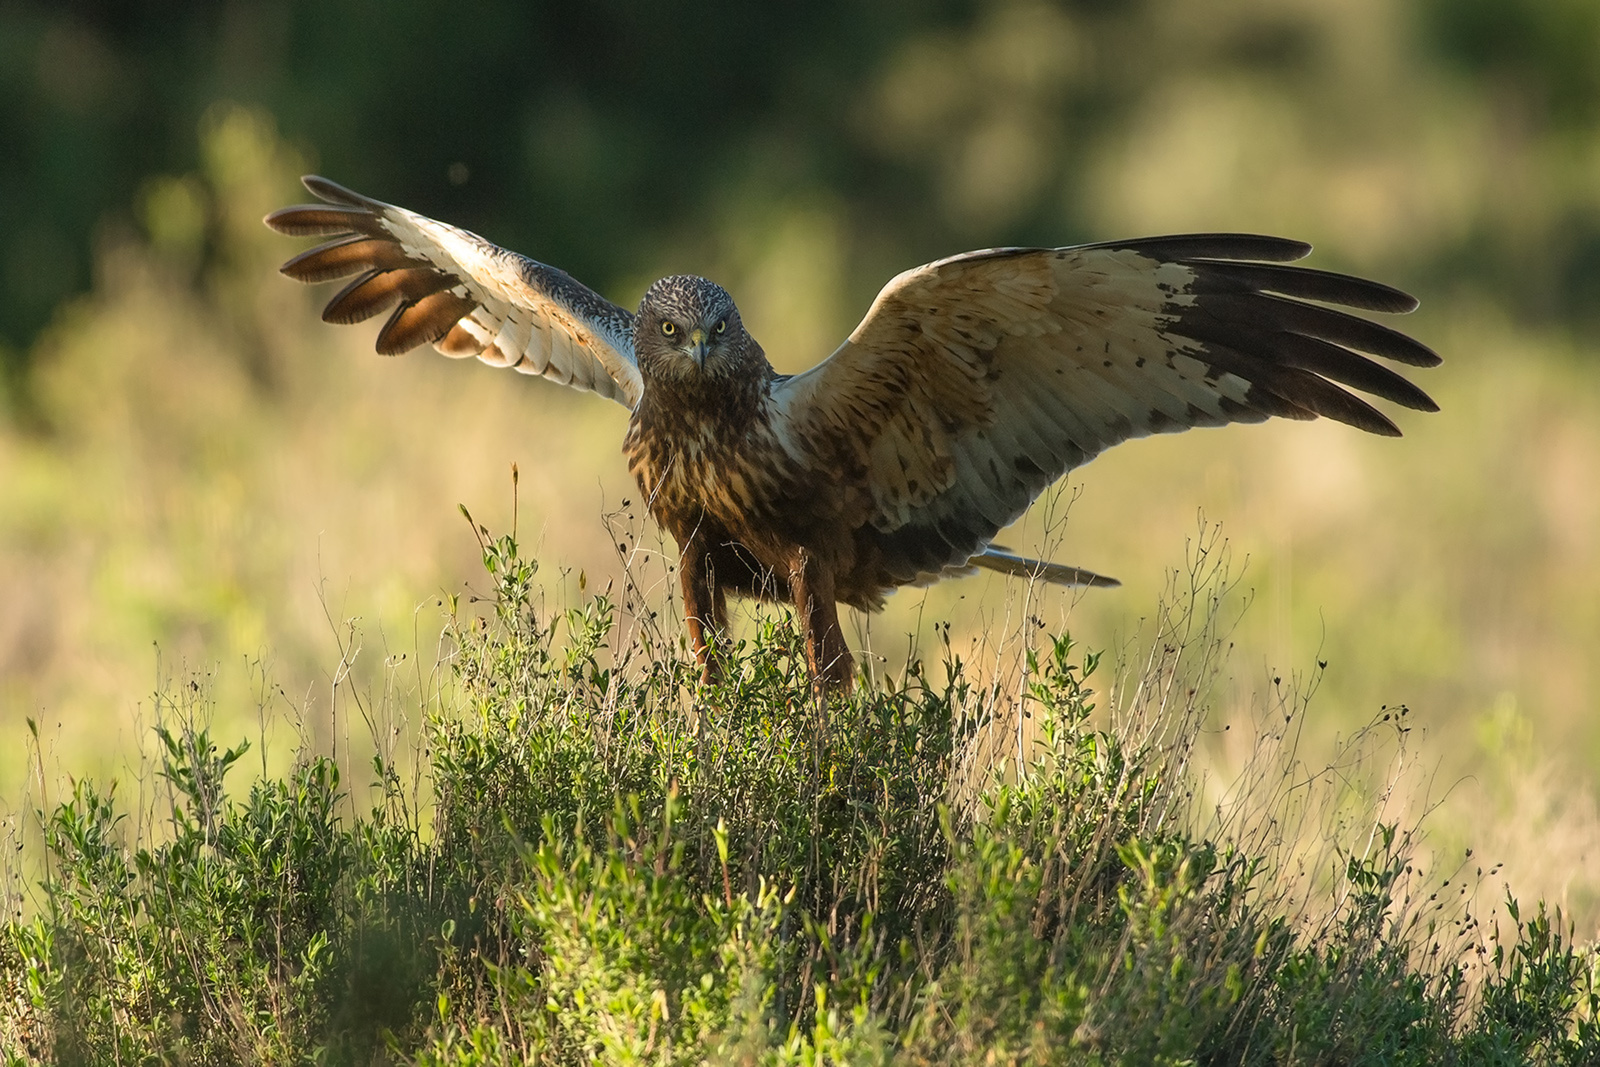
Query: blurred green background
{"points": [[200, 480]]}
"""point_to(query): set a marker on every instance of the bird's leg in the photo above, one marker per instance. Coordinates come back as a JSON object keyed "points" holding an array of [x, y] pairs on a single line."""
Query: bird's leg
{"points": [[705, 606], [829, 657]]}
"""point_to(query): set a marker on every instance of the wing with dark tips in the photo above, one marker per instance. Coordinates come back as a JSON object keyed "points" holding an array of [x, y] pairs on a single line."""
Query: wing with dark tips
{"points": [[975, 382], [454, 290]]}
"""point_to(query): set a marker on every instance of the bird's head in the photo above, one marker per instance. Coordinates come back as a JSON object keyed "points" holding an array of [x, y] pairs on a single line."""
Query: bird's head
{"points": [[688, 329]]}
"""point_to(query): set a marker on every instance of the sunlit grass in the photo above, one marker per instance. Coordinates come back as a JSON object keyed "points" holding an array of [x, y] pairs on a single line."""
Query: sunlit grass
{"points": [[587, 856]]}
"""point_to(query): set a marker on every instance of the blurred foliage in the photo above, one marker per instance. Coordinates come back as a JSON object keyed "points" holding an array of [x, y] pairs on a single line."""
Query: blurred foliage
{"points": [[597, 135]]}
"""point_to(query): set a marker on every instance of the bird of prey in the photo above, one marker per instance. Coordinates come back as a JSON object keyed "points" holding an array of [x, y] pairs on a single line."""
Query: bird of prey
{"points": [[971, 385]]}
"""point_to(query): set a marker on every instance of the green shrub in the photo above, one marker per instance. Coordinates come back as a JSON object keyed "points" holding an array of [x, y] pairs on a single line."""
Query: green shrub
{"points": [[624, 867]]}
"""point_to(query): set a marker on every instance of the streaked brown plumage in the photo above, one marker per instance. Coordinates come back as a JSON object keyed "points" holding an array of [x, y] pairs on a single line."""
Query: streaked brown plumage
{"points": [[970, 386]]}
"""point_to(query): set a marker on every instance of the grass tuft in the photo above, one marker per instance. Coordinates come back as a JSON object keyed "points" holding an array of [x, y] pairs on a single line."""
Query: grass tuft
{"points": [[617, 865]]}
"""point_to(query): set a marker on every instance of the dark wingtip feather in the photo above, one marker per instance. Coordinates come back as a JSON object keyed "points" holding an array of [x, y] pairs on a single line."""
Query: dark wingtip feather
{"points": [[283, 221], [381, 287], [342, 258], [350, 305], [1335, 403], [1305, 283], [314, 220], [423, 322], [334, 193], [1222, 246], [1340, 364], [1420, 355], [1255, 310]]}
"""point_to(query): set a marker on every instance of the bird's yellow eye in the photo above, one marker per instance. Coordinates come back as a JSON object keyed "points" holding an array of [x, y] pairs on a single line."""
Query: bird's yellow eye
{"points": [[669, 328], [722, 325]]}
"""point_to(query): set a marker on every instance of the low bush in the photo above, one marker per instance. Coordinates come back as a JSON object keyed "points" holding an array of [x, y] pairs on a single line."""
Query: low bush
{"points": [[617, 865]]}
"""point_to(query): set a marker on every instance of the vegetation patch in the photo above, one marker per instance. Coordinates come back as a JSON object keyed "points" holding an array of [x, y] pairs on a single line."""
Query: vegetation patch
{"points": [[617, 865]]}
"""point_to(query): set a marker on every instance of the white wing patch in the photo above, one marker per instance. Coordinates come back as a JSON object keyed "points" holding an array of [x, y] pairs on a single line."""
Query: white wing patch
{"points": [[532, 333], [461, 293]]}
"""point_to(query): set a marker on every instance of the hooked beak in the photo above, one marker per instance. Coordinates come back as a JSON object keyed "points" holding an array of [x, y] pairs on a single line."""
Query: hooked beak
{"points": [[698, 347]]}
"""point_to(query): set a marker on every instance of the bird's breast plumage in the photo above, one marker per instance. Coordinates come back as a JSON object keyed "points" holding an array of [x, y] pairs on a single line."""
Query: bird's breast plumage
{"points": [[713, 456]]}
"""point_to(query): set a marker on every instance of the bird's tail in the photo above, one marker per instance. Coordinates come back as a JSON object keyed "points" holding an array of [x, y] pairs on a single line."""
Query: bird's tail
{"points": [[995, 558]]}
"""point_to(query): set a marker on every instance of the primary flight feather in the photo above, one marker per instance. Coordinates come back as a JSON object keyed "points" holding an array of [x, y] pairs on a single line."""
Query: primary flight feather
{"points": [[971, 385]]}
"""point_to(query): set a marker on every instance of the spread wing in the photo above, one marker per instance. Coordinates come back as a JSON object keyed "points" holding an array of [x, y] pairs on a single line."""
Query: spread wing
{"points": [[461, 294], [975, 382]]}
